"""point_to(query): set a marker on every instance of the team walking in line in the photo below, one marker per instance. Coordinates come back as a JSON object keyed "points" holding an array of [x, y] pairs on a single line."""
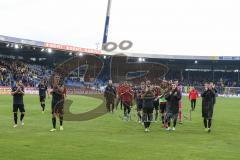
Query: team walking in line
{"points": [[57, 91], [162, 102], [152, 102]]}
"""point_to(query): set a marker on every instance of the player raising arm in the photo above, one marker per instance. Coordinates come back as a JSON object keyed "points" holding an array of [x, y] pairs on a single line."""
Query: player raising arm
{"points": [[148, 106], [173, 98], [43, 90], [57, 92], [208, 101], [18, 93]]}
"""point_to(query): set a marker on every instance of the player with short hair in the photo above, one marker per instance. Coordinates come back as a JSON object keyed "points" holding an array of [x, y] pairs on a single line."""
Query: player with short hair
{"points": [[110, 95], [173, 98], [18, 104], [148, 98], [57, 92], [43, 90], [208, 102], [193, 95], [127, 97]]}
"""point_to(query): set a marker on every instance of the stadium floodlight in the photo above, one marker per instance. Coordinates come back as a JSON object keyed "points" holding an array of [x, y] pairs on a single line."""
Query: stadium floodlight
{"points": [[49, 50], [16, 46], [80, 54], [236, 70], [141, 59]]}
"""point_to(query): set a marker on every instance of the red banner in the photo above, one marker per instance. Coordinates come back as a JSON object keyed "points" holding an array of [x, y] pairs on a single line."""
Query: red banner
{"points": [[72, 48], [28, 90]]}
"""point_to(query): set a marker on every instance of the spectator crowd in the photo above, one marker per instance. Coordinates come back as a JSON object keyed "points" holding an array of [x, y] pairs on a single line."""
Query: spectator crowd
{"points": [[30, 74]]}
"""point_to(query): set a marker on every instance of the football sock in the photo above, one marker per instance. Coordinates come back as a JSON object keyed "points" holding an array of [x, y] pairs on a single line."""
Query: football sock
{"points": [[43, 107], [22, 116], [15, 117], [205, 122], [54, 122], [174, 123], [209, 123], [61, 120]]}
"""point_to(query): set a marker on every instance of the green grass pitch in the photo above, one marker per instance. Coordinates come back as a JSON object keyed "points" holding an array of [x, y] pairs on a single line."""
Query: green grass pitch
{"points": [[110, 138]]}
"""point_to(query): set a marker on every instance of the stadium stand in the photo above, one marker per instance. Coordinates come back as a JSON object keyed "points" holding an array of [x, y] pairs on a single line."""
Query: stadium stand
{"points": [[93, 71], [12, 69]]}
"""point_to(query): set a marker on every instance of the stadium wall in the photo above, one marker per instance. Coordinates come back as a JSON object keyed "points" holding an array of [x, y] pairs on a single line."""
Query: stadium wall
{"points": [[70, 91]]}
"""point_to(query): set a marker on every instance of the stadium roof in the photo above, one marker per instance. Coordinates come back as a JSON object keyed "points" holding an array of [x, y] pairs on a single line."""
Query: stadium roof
{"points": [[58, 56], [7, 39]]}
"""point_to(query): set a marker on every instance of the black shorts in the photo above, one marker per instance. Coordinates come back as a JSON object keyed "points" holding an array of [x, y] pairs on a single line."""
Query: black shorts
{"points": [[171, 115], [163, 107], [42, 98], [139, 106], [193, 100], [109, 102], [156, 105], [148, 110], [58, 107], [19, 107], [147, 114]]}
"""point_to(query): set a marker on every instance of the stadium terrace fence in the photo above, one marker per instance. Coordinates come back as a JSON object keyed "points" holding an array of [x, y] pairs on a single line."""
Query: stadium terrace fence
{"points": [[70, 91], [222, 91]]}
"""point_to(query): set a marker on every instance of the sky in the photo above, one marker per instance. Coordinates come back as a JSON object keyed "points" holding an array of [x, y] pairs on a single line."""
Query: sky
{"points": [[173, 27]]}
